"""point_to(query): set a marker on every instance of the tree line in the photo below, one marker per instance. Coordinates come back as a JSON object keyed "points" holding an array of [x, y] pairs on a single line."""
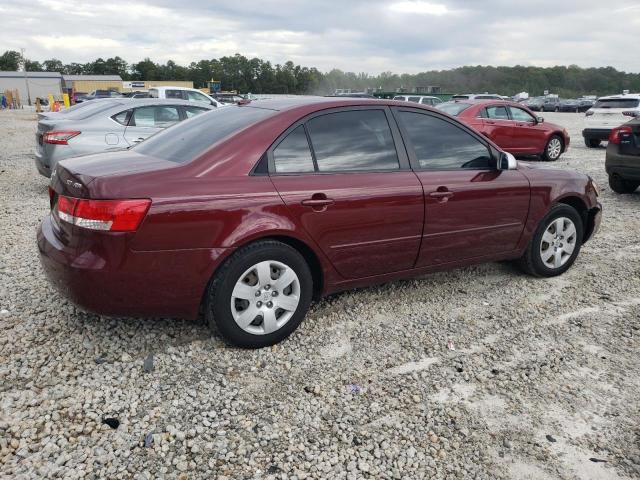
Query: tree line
{"points": [[254, 75]]}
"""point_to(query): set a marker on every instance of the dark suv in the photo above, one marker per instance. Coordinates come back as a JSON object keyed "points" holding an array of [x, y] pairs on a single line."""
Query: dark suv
{"points": [[623, 157]]}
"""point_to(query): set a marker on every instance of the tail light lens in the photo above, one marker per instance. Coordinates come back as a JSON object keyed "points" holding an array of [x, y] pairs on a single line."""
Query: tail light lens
{"points": [[105, 215], [588, 113], [616, 133], [59, 137]]}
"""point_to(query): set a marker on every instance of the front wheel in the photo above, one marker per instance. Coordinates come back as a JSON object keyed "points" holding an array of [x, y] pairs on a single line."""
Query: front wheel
{"points": [[555, 244], [553, 149], [620, 185], [260, 294]]}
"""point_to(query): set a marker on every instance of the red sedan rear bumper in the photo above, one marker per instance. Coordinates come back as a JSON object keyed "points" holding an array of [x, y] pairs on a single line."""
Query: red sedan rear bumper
{"points": [[106, 277]]}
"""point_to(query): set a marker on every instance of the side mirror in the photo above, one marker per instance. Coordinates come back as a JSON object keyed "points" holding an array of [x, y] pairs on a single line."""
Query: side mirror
{"points": [[507, 162], [540, 119]]}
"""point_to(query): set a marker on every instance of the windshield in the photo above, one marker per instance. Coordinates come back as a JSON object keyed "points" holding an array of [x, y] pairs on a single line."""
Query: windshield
{"points": [[188, 139], [460, 97], [617, 103], [453, 108]]}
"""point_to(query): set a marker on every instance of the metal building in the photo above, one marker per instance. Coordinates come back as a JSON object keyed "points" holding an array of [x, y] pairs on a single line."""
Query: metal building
{"points": [[32, 84], [89, 83]]}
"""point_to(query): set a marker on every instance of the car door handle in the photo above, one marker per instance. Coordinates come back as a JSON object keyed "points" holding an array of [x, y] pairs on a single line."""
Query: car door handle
{"points": [[490, 122], [138, 140], [318, 202], [445, 194]]}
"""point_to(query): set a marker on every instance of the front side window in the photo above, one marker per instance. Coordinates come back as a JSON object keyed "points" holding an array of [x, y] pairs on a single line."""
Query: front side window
{"points": [[453, 108], [497, 112], [440, 145], [292, 155], [520, 115], [353, 140]]}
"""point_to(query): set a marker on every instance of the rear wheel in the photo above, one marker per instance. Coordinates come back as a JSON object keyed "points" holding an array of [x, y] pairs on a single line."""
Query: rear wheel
{"points": [[592, 142], [620, 185], [260, 295], [555, 244], [553, 149]]}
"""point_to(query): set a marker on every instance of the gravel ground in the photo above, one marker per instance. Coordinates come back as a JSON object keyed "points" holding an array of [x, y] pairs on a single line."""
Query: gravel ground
{"points": [[477, 373]]}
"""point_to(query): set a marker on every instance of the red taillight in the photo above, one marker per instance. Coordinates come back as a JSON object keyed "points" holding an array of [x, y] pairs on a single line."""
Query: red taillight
{"points": [[614, 136], [52, 192], [107, 215], [59, 137]]}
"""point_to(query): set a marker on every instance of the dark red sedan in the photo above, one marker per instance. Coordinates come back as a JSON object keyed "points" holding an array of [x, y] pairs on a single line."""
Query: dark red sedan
{"points": [[511, 126], [248, 212]]}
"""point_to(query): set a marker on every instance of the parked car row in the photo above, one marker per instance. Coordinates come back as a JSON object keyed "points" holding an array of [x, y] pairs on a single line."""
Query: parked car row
{"points": [[246, 213]]}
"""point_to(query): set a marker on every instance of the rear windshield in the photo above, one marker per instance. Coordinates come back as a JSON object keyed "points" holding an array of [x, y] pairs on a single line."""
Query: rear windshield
{"points": [[89, 110], [617, 103], [188, 139], [460, 97], [453, 108]]}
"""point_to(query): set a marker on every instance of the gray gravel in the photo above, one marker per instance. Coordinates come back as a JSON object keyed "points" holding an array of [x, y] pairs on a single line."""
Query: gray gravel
{"points": [[477, 373]]}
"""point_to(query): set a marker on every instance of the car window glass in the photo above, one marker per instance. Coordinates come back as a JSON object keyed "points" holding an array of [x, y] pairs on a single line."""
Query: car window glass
{"points": [[121, 117], [440, 145], [498, 112], [293, 155], [155, 117], [354, 140], [616, 103], [153, 93], [399, 98], [520, 115], [196, 96], [193, 111], [414, 99], [173, 94], [183, 142], [453, 108]]}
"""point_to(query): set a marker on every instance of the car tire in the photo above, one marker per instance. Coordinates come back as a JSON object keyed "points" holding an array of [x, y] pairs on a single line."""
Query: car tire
{"points": [[592, 142], [620, 185], [556, 109], [240, 295], [553, 149], [547, 255]]}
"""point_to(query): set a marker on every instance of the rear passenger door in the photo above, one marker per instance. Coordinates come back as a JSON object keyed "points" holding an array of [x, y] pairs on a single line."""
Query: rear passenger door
{"points": [[145, 121], [472, 210], [346, 180]]}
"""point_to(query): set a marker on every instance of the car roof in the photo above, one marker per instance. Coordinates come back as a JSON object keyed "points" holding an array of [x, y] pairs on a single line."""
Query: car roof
{"points": [[621, 96], [319, 103], [169, 87]]}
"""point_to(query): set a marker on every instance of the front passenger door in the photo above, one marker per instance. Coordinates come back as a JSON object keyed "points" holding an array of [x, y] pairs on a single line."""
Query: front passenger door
{"points": [[472, 209]]}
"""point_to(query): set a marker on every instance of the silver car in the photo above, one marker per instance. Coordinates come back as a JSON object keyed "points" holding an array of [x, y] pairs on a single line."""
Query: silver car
{"points": [[106, 125]]}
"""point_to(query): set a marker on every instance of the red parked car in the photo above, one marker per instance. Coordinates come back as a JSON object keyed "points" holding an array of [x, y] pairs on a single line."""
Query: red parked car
{"points": [[247, 212], [512, 126]]}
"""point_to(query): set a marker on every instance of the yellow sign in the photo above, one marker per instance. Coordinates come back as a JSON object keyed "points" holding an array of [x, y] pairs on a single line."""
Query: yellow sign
{"points": [[65, 98]]}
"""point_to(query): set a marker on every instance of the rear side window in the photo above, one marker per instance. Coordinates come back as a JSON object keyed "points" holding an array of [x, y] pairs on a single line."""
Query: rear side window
{"points": [[154, 117], [292, 155], [498, 112], [121, 117], [617, 103], [353, 140], [153, 93], [453, 108], [196, 96], [175, 94], [193, 111], [192, 137], [440, 145], [414, 99]]}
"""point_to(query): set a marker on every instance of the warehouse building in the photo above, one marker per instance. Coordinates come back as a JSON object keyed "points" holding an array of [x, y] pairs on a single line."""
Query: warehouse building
{"points": [[89, 83], [31, 85]]}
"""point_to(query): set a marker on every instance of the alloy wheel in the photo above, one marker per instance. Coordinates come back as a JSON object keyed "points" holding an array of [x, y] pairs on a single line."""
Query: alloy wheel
{"points": [[554, 148], [558, 242], [265, 297]]}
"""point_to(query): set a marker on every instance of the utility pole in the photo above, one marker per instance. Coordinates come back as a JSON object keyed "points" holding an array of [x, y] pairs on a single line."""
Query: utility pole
{"points": [[26, 79]]}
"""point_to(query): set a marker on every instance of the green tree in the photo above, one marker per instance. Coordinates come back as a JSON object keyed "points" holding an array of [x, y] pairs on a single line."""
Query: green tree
{"points": [[10, 60]]}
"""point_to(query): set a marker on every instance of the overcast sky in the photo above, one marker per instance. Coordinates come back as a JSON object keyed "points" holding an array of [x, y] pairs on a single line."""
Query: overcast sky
{"points": [[353, 35]]}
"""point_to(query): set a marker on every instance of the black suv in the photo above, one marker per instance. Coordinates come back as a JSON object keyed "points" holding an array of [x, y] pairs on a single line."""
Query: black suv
{"points": [[623, 157]]}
